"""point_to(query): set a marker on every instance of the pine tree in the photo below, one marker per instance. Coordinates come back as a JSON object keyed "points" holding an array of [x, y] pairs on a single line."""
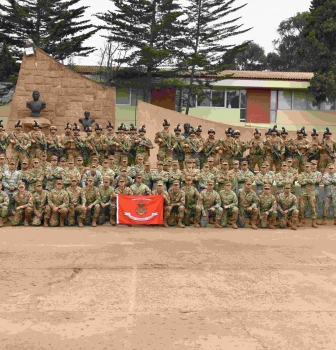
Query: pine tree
{"points": [[320, 34], [147, 30], [8, 65], [53, 25], [204, 44]]}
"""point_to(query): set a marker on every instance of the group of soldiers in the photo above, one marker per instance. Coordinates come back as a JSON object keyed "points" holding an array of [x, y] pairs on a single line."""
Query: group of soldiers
{"points": [[75, 179]]}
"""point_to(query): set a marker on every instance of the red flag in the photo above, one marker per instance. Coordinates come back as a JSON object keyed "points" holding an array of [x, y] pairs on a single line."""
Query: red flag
{"points": [[139, 210]]}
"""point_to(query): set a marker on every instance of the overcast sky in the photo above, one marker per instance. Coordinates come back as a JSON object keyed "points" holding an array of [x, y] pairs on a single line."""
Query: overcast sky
{"points": [[263, 16]]}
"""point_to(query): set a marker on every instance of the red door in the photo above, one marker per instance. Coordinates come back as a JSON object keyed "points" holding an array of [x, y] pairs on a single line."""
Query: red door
{"points": [[258, 106]]}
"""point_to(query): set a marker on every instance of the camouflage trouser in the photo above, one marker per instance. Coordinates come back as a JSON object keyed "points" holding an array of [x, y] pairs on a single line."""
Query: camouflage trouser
{"points": [[118, 156], [299, 162], [324, 161], [34, 153], [22, 214], [193, 211], [266, 220], [18, 156], [3, 211], [55, 216], [163, 154], [255, 160], [217, 214], [72, 154], [145, 156], [284, 217], [232, 213], [329, 201], [228, 158], [177, 210], [92, 213], [193, 157], [243, 213], [105, 214], [72, 211], [39, 214], [307, 201]]}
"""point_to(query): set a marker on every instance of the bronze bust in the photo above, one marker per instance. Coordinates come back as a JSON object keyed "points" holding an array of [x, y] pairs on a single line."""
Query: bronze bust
{"points": [[86, 122], [186, 133], [36, 106]]}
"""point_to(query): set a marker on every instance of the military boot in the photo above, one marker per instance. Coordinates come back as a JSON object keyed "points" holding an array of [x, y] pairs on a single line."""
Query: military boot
{"points": [[62, 219], [294, 222], [80, 222], [46, 222], [323, 221], [314, 223], [217, 224], [165, 223], [180, 224], [94, 221], [253, 225], [300, 222], [112, 220], [271, 224], [27, 219], [197, 222], [1, 222]]}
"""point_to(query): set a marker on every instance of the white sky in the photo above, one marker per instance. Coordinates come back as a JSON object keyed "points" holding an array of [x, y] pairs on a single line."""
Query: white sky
{"points": [[264, 16]]}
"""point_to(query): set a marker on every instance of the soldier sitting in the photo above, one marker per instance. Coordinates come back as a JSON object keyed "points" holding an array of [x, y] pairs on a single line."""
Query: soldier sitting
{"points": [[248, 205], [58, 201], [287, 208], [268, 208], [177, 202], [230, 205], [4, 203], [23, 206]]}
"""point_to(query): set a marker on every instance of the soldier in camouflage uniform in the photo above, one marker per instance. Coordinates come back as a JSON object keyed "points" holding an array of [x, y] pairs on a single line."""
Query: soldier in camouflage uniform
{"points": [[275, 149], [68, 143], [3, 165], [106, 192], [307, 182], [299, 148], [24, 172], [35, 175], [192, 172], [122, 145], [11, 179], [58, 201], [4, 140], [44, 164], [211, 146], [248, 205], [318, 177], [20, 143], [76, 203], [40, 201], [178, 152], [54, 146], [241, 147], [79, 149], [263, 178], [204, 177], [192, 207], [287, 208], [106, 171], [38, 142], [127, 178], [256, 150], [165, 140], [329, 181], [284, 177], [53, 173], [268, 208], [230, 206], [143, 145], [159, 175], [244, 175], [174, 174], [95, 174], [121, 189], [139, 188], [222, 175], [177, 201], [327, 153], [23, 206], [147, 175], [315, 147], [234, 176], [166, 208], [80, 167], [109, 140], [69, 173], [92, 200], [287, 143], [4, 204], [210, 203], [98, 139], [193, 147]]}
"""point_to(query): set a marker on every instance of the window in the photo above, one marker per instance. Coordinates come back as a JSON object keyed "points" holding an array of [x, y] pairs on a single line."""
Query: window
{"points": [[218, 98], [328, 105], [242, 98], [284, 99], [300, 100], [204, 100], [123, 96], [136, 95], [273, 113], [232, 99]]}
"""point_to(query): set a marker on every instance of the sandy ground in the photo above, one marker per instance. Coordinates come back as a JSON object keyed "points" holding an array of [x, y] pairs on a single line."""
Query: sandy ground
{"points": [[155, 288]]}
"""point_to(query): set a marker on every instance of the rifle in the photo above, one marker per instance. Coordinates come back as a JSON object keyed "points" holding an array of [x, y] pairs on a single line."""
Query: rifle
{"points": [[207, 154], [193, 147], [41, 143], [19, 146], [329, 150], [276, 153], [81, 148], [125, 149]]}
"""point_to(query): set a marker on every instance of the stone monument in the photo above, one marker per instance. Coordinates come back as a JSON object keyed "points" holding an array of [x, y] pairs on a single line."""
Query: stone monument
{"points": [[86, 121]]}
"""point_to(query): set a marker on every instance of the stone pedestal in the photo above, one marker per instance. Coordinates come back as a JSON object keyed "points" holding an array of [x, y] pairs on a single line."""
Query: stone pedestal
{"points": [[28, 124]]}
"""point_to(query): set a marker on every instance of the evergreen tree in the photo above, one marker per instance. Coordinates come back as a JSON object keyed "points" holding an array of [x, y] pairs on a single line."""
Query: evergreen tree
{"points": [[252, 58], [147, 30], [320, 33], [204, 43], [8, 65], [53, 25]]}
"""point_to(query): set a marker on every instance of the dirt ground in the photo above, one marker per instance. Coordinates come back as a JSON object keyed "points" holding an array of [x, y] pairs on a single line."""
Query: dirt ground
{"points": [[155, 288]]}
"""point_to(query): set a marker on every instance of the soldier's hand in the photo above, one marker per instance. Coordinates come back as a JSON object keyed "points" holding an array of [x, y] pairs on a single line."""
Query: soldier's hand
{"points": [[226, 207], [249, 208], [212, 209], [55, 209], [204, 215], [286, 211], [160, 140]]}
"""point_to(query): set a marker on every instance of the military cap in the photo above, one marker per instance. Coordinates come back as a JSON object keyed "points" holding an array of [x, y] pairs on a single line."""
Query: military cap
{"points": [[314, 133], [18, 124], [160, 162], [263, 165], [98, 127], [244, 162], [192, 131], [224, 161], [178, 127], [79, 158], [63, 159], [211, 181], [43, 154], [53, 127], [35, 125], [88, 129], [307, 164], [199, 128], [165, 122], [284, 132], [67, 126], [257, 132], [175, 162], [106, 178], [313, 161], [140, 157], [211, 131], [237, 132], [159, 183], [189, 161], [14, 162], [121, 179], [109, 125], [38, 183], [139, 175], [36, 160], [236, 162], [176, 182], [54, 158], [1, 125], [2, 156], [327, 132], [123, 170], [143, 129], [93, 165], [228, 131]]}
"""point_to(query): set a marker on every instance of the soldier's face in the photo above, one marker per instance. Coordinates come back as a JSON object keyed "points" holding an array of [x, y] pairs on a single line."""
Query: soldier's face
{"points": [[98, 132], [160, 166], [225, 166], [53, 131], [248, 186], [176, 187], [188, 181], [210, 186], [175, 166], [36, 164], [141, 133], [2, 160], [93, 170], [257, 136], [313, 167], [24, 166], [331, 170], [122, 184], [90, 182], [73, 183], [21, 188], [263, 169], [106, 183], [287, 190], [105, 164], [159, 188], [166, 127], [38, 188], [228, 187], [206, 168]]}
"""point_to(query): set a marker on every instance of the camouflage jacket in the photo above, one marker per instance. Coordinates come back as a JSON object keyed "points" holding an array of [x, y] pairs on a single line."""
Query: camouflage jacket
{"points": [[76, 196], [106, 194], [176, 197], [92, 195], [209, 200], [307, 183], [191, 196], [204, 178], [4, 199], [229, 199], [141, 190], [267, 203], [58, 199], [24, 200], [286, 202], [248, 199], [40, 200], [329, 181]]}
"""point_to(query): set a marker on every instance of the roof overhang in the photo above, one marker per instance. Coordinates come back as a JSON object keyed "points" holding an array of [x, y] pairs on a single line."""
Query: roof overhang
{"points": [[263, 84]]}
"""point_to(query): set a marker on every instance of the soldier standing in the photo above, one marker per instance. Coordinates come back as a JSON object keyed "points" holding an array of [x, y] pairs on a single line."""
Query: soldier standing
{"points": [[53, 173], [41, 208], [97, 140], [211, 146], [329, 181], [174, 174], [23, 206], [256, 147], [35, 175], [307, 181], [193, 147], [54, 146], [244, 175], [205, 176], [287, 143], [248, 205], [58, 201], [11, 179], [191, 172], [4, 204], [20, 143], [192, 207], [318, 182], [230, 206], [166, 207], [210, 203], [328, 150], [38, 142], [234, 176], [165, 140], [241, 146], [287, 208], [268, 208], [276, 149], [143, 145], [76, 203], [263, 178], [222, 176], [109, 140], [178, 153], [122, 145], [299, 151], [93, 173], [159, 175], [284, 177], [4, 140], [229, 147], [106, 171], [315, 147]]}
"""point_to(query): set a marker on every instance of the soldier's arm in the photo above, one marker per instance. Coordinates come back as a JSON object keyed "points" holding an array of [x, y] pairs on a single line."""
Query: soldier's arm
{"points": [[218, 201], [326, 180], [30, 202], [65, 203], [255, 201], [6, 200], [274, 204], [294, 204], [258, 180]]}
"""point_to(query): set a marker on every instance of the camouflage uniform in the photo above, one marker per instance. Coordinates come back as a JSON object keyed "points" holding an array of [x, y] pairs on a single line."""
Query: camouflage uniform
{"points": [[283, 178], [234, 178], [157, 175], [210, 148], [76, 203], [71, 146], [122, 146], [275, 149], [20, 139], [38, 143], [246, 200], [192, 207], [307, 196], [166, 205], [97, 177], [92, 197], [68, 174], [267, 203], [165, 145], [106, 194], [108, 142], [329, 181], [4, 204], [221, 177], [299, 149], [60, 200], [142, 190], [287, 203], [54, 146], [25, 200], [243, 177], [211, 200], [257, 153], [178, 152], [142, 148], [229, 147], [174, 175], [11, 179], [261, 180], [4, 141], [204, 177], [97, 141], [41, 209], [177, 202], [108, 173], [34, 175], [327, 153], [52, 174], [229, 199], [192, 149]]}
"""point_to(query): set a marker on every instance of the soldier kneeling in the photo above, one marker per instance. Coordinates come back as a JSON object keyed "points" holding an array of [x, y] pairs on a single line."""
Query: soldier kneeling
{"points": [[268, 208], [230, 205], [287, 208]]}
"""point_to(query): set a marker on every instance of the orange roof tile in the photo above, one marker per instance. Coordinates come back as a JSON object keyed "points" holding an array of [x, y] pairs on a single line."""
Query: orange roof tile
{"points": [[269, 75]]}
